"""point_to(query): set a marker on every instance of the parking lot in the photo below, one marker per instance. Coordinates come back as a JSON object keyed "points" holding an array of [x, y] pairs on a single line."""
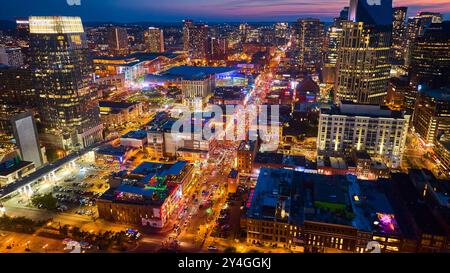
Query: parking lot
{"points": [[75, 188]]}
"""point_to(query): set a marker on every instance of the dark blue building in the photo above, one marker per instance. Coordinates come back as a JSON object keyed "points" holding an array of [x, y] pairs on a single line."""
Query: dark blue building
{"points": [[373, 12]]}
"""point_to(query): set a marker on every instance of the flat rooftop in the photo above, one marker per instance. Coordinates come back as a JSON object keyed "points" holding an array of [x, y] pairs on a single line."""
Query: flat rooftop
{"points": [[138, 134], [7, 170], [133, 59], [148, 170], [365, 110], [116, 104], [112, 150], [336, 199], [189, 73]]}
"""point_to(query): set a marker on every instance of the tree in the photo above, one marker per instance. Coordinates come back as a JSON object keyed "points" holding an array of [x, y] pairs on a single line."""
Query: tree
{"points": [[230, 249], [46, 201]]}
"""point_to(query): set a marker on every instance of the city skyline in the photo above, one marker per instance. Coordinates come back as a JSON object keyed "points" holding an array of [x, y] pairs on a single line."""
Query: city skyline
{"points": [[213, 11], [183, 133]]}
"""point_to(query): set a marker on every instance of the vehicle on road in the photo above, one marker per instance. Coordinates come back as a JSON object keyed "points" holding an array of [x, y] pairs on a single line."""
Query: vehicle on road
{"points": [[212, 249]]}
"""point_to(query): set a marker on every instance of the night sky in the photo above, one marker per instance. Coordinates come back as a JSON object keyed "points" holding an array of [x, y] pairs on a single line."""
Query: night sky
{"points": [[208, 10]]}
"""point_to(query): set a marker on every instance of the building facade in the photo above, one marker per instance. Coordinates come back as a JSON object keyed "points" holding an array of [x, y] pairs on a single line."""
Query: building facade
{"points": [[377, 130], [432, 114], [62, 70], [154, 39], [363, 65], [195, 39], [399, 34], [309, 41], [430, 57], [117, 41]]}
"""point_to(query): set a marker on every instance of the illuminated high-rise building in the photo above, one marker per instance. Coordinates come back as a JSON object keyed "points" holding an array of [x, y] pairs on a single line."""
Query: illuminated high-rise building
{"points": [[310, 39], [22, 28], [154, 39], [218, 48], [430, 57], [343, 15], [363, 66], [432, 113], [16, 87], [399, 34], [118, 41], [62, 69], [195, 39], [333, 40], [244, 30], [282, 33], [187, 25], [371, 12], [416, 28]]}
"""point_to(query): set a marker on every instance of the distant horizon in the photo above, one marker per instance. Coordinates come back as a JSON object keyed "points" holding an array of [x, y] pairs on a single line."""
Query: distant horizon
{"points": [[213, 11]]}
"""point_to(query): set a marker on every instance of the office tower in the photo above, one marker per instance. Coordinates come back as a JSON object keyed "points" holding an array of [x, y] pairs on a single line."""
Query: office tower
{"points": [[62, 70], [310, 38], [430, 57], [187, 25], [371, 12], [16, 87], [431, 115], [401, 95], [26, 136], [416, 28], [195, 39], [282, 33], [22, 28], [375, 129], [399, 34], [363, 67], [218, 48], [154, 39], [244, 30], [333, 40], [11, 56], [118, 41], [343, 15]]}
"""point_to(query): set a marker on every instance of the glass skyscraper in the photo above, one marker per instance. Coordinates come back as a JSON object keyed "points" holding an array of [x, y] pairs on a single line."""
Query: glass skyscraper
{"points": [[62, 70], [372, 12]]}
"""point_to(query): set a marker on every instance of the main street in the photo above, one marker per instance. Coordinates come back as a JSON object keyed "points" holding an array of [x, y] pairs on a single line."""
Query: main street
{"points": [[191, 228]]}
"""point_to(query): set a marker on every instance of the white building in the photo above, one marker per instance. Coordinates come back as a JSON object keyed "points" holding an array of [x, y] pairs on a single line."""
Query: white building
{"points": [[377, 130], [196, 92]]}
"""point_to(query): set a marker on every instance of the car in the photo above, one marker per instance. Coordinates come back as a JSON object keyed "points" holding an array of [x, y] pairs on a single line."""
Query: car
{"points": [[177, 230], [212, 248]]}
